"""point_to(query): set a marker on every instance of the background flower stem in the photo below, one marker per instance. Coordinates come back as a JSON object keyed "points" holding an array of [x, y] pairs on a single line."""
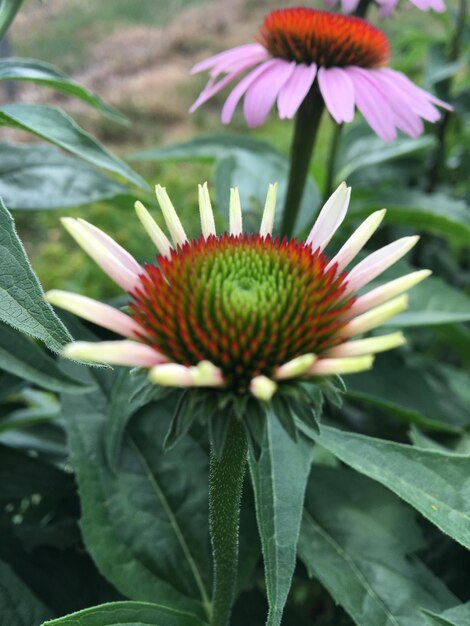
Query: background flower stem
{"points": [[444, 89], [225, 491], [307, 122], [331, 162]]}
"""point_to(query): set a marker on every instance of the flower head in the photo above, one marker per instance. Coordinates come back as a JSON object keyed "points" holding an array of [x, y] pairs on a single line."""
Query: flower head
{"points": [[242, 312], [386, 7], [303, 49]]}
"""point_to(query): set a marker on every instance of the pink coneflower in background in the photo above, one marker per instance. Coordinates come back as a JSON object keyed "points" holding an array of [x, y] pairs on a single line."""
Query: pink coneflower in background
{"points": [[301, 49], [242, 312], [386, 7]]}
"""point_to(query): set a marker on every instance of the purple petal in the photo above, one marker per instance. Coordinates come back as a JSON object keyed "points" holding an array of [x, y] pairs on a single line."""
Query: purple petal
{"points": [[262, 93], [229, 56], [406, 119], [213, 88], [338, 92], [295, 89], [349, 6], [373, 106], [236, 95]]}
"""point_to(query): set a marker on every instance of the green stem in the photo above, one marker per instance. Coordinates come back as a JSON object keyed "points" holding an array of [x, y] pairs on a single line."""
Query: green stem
{"points": [[8, 10], [331, 163], [362, 7], [225, 491], [307, 122], [445, 86]]}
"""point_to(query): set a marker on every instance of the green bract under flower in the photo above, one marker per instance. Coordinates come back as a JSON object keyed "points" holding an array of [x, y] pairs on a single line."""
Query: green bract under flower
{"points": [[248, 304]]}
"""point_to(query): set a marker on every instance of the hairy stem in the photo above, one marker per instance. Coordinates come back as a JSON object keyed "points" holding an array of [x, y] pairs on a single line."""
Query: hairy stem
{"points": [[225, 491]]}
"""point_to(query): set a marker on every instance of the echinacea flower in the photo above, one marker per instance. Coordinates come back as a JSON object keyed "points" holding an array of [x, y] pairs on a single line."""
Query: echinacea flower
{"points": [[242, 312], [303, 49], [386, 7]]}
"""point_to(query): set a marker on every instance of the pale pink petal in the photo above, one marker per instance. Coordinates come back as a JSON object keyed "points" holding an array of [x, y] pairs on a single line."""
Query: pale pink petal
{"points": [[213, 88], [128, 353], [330, 218], [236, 95], [373, 106], [377, 262], [357, 241], [103, 255], [229, 56], [96, 312], [115, 249], [338, 93], [262, 93], [295, 89], [386, 292]]}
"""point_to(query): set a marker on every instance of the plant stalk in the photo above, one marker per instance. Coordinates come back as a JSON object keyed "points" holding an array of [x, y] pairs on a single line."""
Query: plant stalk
{"points": [[8, 10], [225, 491], [307, 122], [331, 163], [445, 87]]}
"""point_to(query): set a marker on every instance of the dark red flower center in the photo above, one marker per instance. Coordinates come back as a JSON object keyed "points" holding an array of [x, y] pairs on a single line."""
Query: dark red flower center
{"points": [[246, 303], [327, 39]]}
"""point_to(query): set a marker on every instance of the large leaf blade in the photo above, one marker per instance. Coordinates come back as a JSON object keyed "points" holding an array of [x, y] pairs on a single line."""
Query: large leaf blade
{"points": [[58, 128], [23, 358], [148, 512], [40, 177], [22, 303], [128, 613], [279, 479], [352, 540], [434, 483], [47, 75]]}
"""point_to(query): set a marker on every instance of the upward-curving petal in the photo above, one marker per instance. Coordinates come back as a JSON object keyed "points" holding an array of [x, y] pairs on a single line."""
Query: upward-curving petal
{"points": [[111, 260], [330, 218]]}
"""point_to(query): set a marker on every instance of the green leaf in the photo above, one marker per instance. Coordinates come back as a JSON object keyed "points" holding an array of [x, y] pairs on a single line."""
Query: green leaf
{"points": [[242, 162], [150, 512], [8, 10], [58, 128], [432, 482], [130, 613], [18, 605], [47, 75], [40, 177], [436, 213], [279, 479], [353, 541], [371, 150], [457, 616], [20, 356], [413, 393], [22, 303]]}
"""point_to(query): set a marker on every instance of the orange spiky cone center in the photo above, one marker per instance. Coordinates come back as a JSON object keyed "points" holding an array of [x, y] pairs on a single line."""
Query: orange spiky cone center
{"points": [[246, 303], [328, 39]]}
